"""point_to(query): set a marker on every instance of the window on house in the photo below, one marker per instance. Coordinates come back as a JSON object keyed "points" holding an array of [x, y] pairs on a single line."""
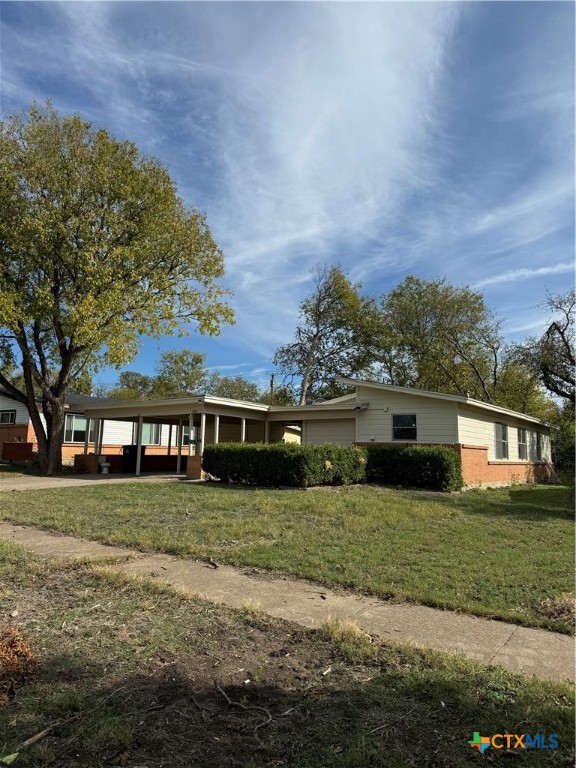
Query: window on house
{"points": [[404, 426], [75, 429], [7, 417], [501, 441], [186, 434], [538, 446], [150, 434], [522, 445]]}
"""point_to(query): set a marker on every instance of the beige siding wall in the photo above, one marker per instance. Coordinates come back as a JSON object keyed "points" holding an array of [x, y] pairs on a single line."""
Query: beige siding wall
{"points": [[279, 432], [342, 431], [476, 427], [436, 420]]}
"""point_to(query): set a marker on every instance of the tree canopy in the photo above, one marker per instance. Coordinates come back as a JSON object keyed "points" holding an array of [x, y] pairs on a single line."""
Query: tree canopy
{"points": [[333, 337], [440, 337], [97, 250], [179, 374]]}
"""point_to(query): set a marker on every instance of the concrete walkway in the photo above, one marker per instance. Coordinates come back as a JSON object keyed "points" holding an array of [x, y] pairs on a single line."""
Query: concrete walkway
{"points": [[520, 649], [35, 482]]}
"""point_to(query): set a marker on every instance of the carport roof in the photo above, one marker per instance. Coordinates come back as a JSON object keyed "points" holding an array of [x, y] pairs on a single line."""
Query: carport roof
{"points": [[182, 407]]}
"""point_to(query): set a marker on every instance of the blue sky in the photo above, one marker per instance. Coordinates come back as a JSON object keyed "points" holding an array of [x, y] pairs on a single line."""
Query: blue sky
{"points": [[395, 138]]}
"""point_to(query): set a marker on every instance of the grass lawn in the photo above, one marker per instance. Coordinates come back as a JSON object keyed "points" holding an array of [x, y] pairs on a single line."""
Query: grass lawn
{"points": [[495, 553], [126, 674], [11, 471]]}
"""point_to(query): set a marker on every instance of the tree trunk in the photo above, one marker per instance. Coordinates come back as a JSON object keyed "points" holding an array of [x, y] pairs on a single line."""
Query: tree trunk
{"points": [[50, 442], [50, 449]]}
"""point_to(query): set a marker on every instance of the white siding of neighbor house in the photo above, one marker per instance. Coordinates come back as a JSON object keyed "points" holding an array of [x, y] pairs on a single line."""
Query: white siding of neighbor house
{"points": [[117, 433], [436, 420], [342, 431], [476, 427], [7, 404]]}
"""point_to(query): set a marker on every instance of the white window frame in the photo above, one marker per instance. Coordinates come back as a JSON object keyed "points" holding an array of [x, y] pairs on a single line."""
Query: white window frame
{"points": [[502, 447], [74, 416], [12, 417], [415, 427], [150, 426], [522, 444]]}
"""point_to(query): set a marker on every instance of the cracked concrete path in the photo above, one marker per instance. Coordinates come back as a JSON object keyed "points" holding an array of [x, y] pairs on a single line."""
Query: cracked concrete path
{"points": [[548, 655]]}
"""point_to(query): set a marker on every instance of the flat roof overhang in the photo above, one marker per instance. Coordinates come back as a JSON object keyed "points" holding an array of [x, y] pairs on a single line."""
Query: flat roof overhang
{"points": [[174, 409], [288, 413]]}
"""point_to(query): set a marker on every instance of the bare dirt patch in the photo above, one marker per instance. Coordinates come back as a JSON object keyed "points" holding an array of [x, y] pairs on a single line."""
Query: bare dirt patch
{"points": [[131, 674]]}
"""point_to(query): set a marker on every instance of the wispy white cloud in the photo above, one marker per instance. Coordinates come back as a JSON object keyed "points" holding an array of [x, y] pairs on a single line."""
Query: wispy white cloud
{"points": [[377, 135], [514, 275]]}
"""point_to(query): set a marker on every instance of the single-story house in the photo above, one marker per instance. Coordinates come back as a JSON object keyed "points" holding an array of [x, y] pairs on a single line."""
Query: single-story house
{"points": [[497, 446]]}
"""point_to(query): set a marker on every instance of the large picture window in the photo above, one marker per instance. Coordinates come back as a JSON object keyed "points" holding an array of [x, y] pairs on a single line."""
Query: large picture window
{"points": [[522, 445], [75, 429], [7, 417], [404, 426], [150, 434], [501, 441]]}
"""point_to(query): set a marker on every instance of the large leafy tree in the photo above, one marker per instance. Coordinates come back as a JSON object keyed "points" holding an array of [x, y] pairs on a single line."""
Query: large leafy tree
{"points": [[333, 337], [440, 337], [96, 250]]}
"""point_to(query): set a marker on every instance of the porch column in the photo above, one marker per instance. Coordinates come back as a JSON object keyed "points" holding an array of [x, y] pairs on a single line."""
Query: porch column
{"points": [[216, 429], [139, 445], [86, 438], [202, 432], [179, 449], [98, 448], [190, 433], [266, 432], [242, 430], [169, 438]]}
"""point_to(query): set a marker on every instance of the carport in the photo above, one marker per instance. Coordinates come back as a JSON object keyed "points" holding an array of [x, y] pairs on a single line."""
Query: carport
{"points": [[206, 419]]}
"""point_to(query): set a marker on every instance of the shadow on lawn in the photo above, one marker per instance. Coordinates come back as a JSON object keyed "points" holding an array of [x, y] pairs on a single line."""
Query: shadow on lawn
{"points": [[405, 714]]}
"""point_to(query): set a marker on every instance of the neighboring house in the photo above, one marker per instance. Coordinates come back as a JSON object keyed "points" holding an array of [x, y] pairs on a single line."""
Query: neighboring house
{"points": [[497, 446]]}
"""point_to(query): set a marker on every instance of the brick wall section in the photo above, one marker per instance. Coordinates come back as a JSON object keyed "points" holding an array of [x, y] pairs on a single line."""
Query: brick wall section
{"points": [[194, 469], [477, 470]]}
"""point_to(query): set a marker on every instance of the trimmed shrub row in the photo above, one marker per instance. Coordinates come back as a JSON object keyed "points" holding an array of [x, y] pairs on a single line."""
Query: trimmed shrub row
{"points": [[285, 464], [433, 467]]}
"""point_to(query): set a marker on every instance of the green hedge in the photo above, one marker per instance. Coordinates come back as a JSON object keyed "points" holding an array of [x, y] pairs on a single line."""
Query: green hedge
{"points": [[285, 464], [435, 467]]}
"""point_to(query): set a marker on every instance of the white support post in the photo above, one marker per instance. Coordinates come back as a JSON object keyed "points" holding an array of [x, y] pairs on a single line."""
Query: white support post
{"points": [[179, 441], [266, 432], [169, 438], [139, 445], [202, 432], [190, 433], [242, 430], [98, 448], [216, 429], [86, 438]]}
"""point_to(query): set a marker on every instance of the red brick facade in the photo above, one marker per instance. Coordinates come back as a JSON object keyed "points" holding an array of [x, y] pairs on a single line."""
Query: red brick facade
{"points": [[477, 470]]}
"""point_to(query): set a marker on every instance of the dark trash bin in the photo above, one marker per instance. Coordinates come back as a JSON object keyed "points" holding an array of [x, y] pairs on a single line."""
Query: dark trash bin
{"points": [[129, 453]]}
